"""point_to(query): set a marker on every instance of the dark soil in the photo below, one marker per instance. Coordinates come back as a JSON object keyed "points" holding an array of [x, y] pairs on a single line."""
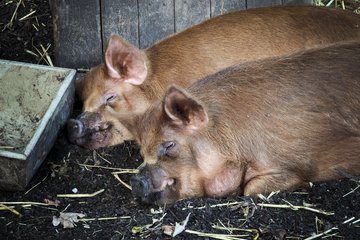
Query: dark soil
{"points": [[114, 212]]}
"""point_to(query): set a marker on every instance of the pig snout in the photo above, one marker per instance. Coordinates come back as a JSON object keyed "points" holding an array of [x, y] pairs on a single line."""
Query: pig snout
{"points": [[142, 189], [152, 185], [140, 186], [75, 129], [89, 130]]}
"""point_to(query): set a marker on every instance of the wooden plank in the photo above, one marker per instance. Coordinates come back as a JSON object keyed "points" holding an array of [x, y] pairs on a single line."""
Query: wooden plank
{"points": [[262, 3], [77, 33], [120, 17], [219, 7], [156, 21], [189, 12], [297, 2]]}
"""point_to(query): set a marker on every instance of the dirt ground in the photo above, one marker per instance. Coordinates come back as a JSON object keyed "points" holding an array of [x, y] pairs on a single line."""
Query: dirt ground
{"points": [[328, 210]]}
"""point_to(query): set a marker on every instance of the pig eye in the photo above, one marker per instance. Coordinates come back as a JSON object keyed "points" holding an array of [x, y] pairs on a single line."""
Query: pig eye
{"points": [[109, 98], [166, 148]]}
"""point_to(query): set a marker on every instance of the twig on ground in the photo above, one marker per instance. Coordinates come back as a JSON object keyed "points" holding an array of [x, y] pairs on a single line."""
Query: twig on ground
{"points": [[109, 168], [103, 218], [129, 171], [6, 147], [36, 185], [295, 208], [27, 203], [146, 229], [47, 56], [44, 55], [321, 234], [10, 23], [228, 204], [27, 15], [226, 236], [267, 198], [232, 229], [115, 174], [352, 191], [80, 195], [102, 157], [31, 52], [9, 208], [4, 207]]}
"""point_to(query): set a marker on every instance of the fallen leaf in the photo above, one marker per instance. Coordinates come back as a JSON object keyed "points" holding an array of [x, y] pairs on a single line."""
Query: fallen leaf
{"points": [[140, 229], [52, 202], [177, 229], [68, 220]]}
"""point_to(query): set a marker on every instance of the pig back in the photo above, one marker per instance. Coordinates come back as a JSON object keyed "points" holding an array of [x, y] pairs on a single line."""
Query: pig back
{"points": [[244, 36], [299, 113]]}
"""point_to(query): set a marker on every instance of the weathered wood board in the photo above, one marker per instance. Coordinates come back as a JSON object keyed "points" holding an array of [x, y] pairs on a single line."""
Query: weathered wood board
{"points": [[188, 13], [120, 17], [219, 7], [77, 33], [156, 21], [82, 27]]}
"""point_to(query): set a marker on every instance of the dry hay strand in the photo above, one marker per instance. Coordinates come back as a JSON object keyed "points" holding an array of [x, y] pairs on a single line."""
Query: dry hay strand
{"points": [[7, 147], [79, 195], [42, 54], [117, 172], [9, 208], [351, 5], [332, 231], [125, 170], [253, 233], [27, 204], [95, 153], [129, 171], [30, 16], [288, 205], [103, 218], [10, 23], [27, 15]]}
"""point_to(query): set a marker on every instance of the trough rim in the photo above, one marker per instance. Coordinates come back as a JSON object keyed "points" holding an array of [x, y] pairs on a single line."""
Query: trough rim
{"points": [[70, 75]]}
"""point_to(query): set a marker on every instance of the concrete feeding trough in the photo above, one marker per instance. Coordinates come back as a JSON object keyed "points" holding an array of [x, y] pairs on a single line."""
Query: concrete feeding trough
{"points": [[35, 102]]}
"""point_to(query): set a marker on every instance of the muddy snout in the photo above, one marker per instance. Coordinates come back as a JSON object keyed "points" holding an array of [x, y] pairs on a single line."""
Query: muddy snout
{"points": [[151, 185], [78, 127], [140, 185], [75, 128], [88, 130], [143, 189]]}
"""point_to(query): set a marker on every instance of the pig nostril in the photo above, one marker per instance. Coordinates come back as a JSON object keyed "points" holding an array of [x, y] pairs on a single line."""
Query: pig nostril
{"points": [[171, 181], [140, 186], [75, 127]]}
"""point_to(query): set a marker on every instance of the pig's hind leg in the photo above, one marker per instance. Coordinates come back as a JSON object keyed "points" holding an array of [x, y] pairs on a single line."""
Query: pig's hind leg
{"points": [[332, 160], [270, 182], [339, 159]]}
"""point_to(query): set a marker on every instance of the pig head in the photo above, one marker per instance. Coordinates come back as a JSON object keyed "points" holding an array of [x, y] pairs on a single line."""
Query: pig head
{"points": [[274, 125], [130, 79]]}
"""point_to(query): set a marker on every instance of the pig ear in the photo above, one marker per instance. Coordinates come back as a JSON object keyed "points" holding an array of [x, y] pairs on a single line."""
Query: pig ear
{"points": [[125, 62], [184, 111]]}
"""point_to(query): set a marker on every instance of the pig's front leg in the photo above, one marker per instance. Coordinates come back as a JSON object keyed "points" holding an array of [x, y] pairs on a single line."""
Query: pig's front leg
{"points": [[269, 182]]}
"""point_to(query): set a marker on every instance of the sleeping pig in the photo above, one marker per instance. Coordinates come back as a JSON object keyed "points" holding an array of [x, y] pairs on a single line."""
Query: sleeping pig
{"points": [[131, 79], [254, 128]]}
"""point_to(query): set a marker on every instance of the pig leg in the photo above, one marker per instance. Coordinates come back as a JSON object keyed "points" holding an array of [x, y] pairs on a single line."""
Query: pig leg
{"points": [[341, 156], [330, 162], [270, 182]]}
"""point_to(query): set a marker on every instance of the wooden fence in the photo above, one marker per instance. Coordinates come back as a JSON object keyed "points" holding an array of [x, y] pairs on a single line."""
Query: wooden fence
{"points": [[82, 27]]}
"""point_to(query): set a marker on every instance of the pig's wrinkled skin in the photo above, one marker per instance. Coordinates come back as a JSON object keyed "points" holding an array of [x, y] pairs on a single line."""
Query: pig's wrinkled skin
{"points": [[131, 79], [271, 125]]}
